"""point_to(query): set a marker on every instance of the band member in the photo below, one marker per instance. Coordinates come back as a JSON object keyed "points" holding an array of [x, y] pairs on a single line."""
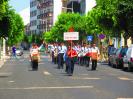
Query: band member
{"points": [[83, 57], [34, 55], [94, 56], [88, 55], [61, 50], [71, 55]]}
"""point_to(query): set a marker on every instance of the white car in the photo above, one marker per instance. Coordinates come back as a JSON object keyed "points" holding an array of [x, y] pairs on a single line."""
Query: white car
{"points": [[128, 59], [19, 51]]}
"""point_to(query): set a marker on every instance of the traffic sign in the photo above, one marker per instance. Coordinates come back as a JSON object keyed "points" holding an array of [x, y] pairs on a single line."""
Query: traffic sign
{"points": [[101, 36], [89, 38]]}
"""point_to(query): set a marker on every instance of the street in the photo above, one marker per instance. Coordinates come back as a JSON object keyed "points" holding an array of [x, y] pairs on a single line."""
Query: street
{"points": [[18, 81]]}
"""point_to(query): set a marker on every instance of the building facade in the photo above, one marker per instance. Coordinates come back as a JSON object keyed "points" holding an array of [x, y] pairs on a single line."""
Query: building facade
{"points": [[81, 6], [43, 14]]}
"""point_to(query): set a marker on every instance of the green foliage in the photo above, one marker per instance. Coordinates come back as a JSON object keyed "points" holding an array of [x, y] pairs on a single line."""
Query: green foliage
{"points": [[64, 22], [3, 4], [16, 33]]}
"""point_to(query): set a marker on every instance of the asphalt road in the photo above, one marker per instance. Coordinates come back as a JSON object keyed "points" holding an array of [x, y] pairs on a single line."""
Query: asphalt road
{"points": [[17, 81]]}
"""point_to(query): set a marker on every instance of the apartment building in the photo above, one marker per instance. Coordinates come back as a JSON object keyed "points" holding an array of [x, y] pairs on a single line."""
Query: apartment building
{"points": [[44, 13]]}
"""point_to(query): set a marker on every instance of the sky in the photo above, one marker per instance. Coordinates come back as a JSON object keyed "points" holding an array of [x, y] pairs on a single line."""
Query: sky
{"points": [[19, 5], [22, 7]]}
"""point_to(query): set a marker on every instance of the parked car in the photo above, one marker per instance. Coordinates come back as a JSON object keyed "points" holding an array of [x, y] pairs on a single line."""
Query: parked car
{"points": [[118, 58], [111, 55], [19, 51], [129, 58]]}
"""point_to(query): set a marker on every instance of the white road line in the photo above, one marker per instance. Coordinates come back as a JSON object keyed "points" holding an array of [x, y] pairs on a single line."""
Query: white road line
{"points": [[85, 78], [35, 88], [124, 98], [124, 78], [11, 81], [46, 73], [5, 74]]}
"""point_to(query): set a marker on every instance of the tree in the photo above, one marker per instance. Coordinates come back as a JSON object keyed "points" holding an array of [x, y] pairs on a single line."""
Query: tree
{"points": [[125, 18], [121, 13], [64, 22], [3, 4], [16, 33]]}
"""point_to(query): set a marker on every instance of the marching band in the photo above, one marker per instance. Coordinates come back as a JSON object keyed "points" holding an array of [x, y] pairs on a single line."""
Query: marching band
{"points": [[82, 55]]}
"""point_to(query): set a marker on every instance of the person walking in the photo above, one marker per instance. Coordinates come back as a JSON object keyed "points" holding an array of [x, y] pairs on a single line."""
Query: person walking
{"points": [[94, 56], [62, 50], [71, 53], [14, 55], [88, 55], [34, 55]]}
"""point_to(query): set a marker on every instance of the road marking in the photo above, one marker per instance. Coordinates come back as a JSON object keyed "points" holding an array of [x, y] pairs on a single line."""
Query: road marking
{"points": [[124, 98], [5, 74], [34, 88], [46, 73], [85, 78], [11, 81], [124, 78]]}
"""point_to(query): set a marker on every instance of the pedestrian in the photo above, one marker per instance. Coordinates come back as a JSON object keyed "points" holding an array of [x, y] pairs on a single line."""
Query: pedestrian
{"points": [[83, 56], [34, 55], [14, 55], [72, 54], [88, 55], [62, 50], [94, 56]]}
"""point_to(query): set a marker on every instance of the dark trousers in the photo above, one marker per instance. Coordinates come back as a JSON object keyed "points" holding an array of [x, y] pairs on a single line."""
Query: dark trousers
{"points": [[87, 61], [52, 57], [67, 64], [61, 60], [35, 65], [84, 60], [71, 66], [94, 64], [55, 60]]}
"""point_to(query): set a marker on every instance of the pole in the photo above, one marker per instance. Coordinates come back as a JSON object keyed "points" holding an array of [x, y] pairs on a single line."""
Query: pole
{"points": [[71, 48], [72, 7], [46, 25], [4, 48]]}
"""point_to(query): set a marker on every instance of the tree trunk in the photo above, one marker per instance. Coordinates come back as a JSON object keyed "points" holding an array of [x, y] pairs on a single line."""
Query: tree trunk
{"points": [[132, 39], [126, 36], [125, 41]]}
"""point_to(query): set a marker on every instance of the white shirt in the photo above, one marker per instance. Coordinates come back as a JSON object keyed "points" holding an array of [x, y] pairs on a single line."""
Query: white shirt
{"points": [[62, 49], [95, 49]]}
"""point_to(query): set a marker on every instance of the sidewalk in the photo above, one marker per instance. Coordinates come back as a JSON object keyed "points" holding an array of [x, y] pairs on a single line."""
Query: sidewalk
{"points": [[1, 63]]}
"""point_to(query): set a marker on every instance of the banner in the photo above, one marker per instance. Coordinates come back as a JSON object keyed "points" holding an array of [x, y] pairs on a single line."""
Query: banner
{"points": [[71, 35]]}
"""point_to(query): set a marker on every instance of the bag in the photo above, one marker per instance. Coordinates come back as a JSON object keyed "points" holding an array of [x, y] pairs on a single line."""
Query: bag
{"points": [[34, 57], [55, 52], [94, 56]]}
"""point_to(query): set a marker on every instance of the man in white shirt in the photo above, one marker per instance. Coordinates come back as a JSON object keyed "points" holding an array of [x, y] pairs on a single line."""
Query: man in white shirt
{"points": [[61, 50]]}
